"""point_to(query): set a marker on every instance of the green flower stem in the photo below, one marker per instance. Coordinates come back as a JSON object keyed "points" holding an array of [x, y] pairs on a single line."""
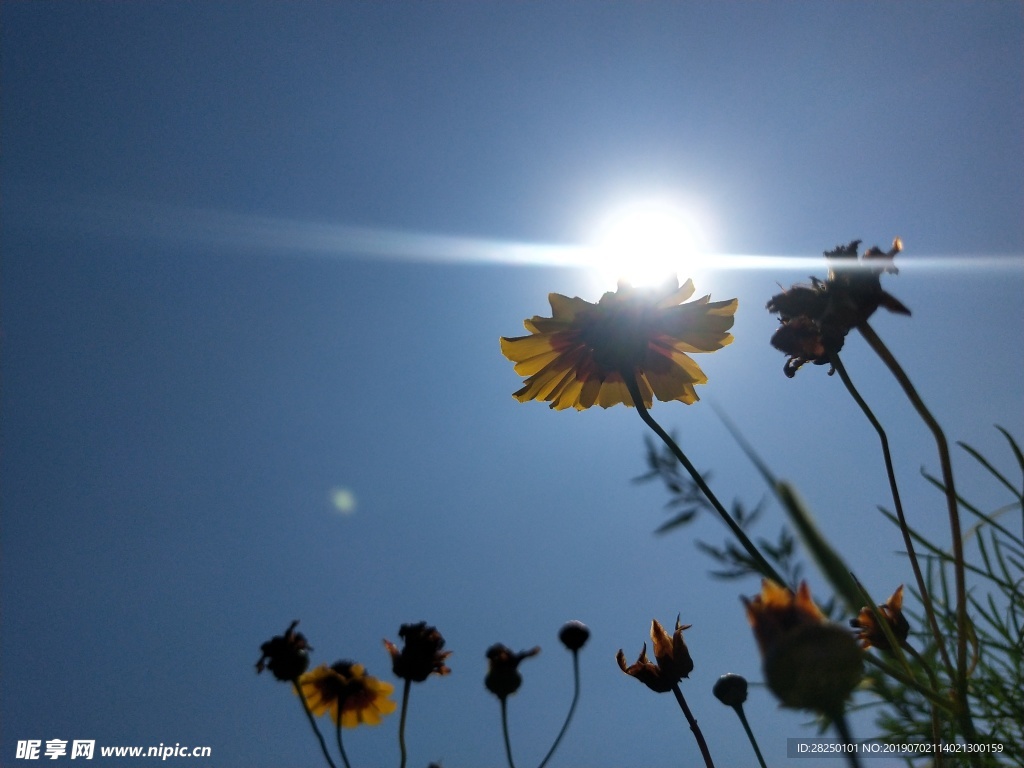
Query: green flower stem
{"points": [[504, 730], [337, 735], [954, 522], [847, 738], [312, 722], [908, 541], [693, 726], [936, 723], [826, 558], [750, 734], [401, 722], [763, 565], [572, 707]]}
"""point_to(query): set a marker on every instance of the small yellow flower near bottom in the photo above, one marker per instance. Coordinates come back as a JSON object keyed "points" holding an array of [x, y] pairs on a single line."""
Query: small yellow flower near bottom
{"points": [[347, 692]]}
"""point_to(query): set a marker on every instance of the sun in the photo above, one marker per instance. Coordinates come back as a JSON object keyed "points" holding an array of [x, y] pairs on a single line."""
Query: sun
{"points": [[645, 242]]}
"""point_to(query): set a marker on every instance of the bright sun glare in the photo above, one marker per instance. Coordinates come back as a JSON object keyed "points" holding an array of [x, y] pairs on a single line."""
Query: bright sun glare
{"points": [[645, 242]]}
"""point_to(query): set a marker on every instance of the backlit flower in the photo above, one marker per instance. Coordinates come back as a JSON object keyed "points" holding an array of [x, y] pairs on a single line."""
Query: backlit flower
{"points": [[871, 634], [808, 662], [672, 656], [816, 318], [345, 690], [286, 656], [421, 655], [584, 354], [503, 678]]}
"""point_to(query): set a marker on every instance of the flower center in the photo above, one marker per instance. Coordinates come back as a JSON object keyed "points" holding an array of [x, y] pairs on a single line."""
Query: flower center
{"points": [[618, 338]]}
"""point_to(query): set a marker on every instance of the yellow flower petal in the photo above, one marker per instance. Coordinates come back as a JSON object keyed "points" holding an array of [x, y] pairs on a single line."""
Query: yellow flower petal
{"points": [[584, 354], [678, 296], [345, 691]]}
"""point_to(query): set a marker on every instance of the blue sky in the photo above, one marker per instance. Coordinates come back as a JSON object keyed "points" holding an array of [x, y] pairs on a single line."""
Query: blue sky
{"points": [[254, 253]]}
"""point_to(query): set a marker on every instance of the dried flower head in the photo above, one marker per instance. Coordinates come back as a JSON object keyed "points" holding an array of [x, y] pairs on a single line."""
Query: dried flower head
{"points": [[816, 318], [421, 655], [777, 611], [286, 656], [809, 663], [672, 656], [503, 678], [871, 634], [584, 354], [347, 692]]}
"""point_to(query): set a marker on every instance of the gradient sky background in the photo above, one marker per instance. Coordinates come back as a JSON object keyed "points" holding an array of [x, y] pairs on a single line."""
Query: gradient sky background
{"points": [[256, 252]]}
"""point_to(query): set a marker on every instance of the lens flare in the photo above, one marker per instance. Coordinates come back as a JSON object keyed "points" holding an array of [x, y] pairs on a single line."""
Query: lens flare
{"points": [[643, 243]]}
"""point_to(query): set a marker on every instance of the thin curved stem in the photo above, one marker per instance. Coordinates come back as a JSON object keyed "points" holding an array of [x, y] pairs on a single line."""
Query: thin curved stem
{"points": [[844, 733], [312, 722], [572, 708], [337, 736], [504, 730], [908, 541], [401, 722], [750, 734], [763, 565], [936, 722], [956, 535], [693, 726]]}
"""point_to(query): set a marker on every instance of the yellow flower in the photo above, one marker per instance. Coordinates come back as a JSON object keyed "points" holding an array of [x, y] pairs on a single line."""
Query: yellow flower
{"points": [[871, 634], [346, 691], [584, 354], [671, 653]]}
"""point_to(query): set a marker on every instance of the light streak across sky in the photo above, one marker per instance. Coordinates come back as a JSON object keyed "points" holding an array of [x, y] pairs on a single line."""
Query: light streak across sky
{"points": [[289, 237]]}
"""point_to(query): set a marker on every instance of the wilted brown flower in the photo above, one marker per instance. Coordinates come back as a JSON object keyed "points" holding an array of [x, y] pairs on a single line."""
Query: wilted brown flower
{"points": [[871, 634], [421, 655], [809, 663], [503, 678], [777, 611], [672, 656], [816, 318], [286, 656]]}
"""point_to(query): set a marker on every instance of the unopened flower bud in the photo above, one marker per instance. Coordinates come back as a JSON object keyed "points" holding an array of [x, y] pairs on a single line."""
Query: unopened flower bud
{"points": [[731, 690], [574, 635]]}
